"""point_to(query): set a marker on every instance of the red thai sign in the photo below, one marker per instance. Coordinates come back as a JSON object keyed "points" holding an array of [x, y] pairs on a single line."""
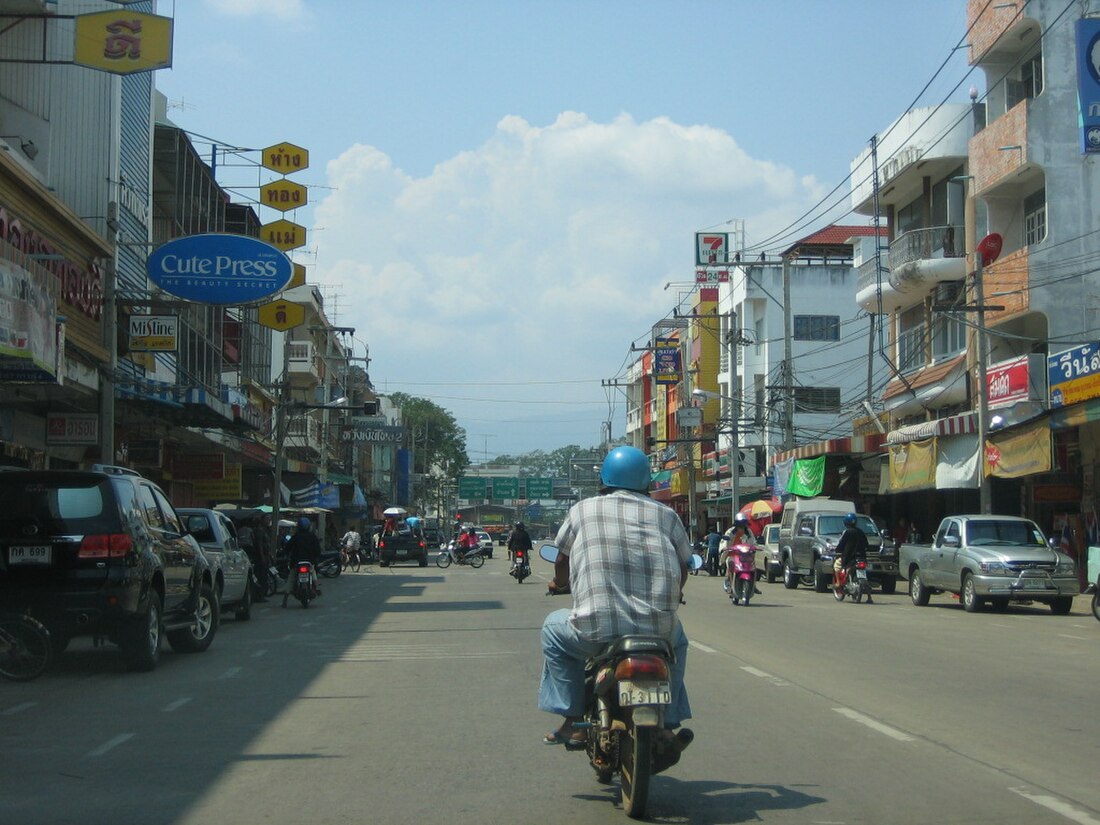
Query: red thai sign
{"points": [[1008, 382]]}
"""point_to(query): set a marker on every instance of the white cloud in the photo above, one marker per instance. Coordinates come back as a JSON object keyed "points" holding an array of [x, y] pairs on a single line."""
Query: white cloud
{"points": [[279, 9], [540, 255]]}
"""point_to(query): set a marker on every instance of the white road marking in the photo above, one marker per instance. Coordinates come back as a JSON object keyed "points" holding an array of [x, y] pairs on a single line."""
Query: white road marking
{"points": [[229, 674], [1059, 807], [14, 709], [111, 743], [701, 646], [176, 705], [753, 671], [1079, 638], [856, 716], [259, 653]]}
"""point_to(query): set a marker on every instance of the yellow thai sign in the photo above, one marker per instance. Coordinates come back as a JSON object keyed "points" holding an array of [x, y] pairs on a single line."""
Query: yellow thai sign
{"points": [[298, 278], [283, 195], [285, 158], [281, 315], [283, 234], [223, 489], [123, 42], [913, 465], [1021, 452]]}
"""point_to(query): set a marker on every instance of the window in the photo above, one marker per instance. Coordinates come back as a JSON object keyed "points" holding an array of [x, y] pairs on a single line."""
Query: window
{"points": [[816, 328], [1035, 218], [948, 329], [911, 326], [1027, 84], [817, 399]]}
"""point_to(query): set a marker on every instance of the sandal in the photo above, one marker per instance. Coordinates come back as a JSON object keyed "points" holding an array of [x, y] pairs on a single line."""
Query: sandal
{"points": [[573, 741]]}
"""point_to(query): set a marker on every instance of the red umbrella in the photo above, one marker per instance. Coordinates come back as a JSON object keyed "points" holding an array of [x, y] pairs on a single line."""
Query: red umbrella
{"points": [[761, 512]]}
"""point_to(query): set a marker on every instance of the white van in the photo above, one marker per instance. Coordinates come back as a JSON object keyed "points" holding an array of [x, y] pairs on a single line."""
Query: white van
{"points": [[819, 504]]}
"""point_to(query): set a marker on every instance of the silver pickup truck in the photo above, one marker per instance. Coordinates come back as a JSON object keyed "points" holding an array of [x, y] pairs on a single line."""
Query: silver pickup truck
{"points": [[996, 559]]}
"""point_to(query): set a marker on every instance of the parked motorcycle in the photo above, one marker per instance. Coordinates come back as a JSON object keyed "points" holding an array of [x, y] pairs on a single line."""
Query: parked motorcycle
{"points": [[521, 566], [330, 564], [627, 692], [303, 584], [743, 559], [475, 557], [853, 582]]}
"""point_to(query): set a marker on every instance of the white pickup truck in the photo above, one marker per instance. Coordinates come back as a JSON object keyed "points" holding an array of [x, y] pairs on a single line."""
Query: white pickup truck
{"points": [[995, 559]]}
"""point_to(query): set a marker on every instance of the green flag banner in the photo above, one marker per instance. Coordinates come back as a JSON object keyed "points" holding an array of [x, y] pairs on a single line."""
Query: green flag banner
{"points": [[807, 477]]}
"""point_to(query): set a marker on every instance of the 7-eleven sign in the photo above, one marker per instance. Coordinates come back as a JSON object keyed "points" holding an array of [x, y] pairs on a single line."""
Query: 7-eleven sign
{"points": [[711, 248]]}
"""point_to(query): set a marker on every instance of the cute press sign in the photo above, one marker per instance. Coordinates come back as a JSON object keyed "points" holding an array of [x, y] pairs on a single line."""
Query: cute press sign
{"points": [[219, 269]]}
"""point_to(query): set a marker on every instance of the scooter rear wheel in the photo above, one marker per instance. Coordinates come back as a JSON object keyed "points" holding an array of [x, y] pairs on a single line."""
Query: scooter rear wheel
{"points": [[637, 769]]}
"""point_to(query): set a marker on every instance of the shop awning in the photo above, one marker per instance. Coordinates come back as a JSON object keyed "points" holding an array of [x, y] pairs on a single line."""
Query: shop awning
{"points": [[962, 424], [873, 443]]}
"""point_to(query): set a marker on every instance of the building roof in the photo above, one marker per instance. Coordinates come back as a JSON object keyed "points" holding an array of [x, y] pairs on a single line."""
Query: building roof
{"points": [[836, 235]]}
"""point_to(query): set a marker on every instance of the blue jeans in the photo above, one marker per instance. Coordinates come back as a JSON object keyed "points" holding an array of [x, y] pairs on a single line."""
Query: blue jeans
{"points": [[561, 689]]}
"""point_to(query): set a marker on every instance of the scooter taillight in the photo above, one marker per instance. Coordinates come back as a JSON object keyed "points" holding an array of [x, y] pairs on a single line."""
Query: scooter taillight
{"points": [[861, 565], [303, 568], [634, 667]]}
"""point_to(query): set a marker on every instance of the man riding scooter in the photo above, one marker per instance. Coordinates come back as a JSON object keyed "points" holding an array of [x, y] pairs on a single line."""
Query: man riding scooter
{"points": [[851, 548]]}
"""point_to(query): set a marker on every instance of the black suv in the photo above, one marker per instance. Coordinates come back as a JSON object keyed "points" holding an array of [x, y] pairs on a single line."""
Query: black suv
{"points": [[102, 552]]}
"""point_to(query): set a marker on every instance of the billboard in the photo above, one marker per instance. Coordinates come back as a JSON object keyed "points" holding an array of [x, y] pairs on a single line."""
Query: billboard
{"points": [[219, 268]]}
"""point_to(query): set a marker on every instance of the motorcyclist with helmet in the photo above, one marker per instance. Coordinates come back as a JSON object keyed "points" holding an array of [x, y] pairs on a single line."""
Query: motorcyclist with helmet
{"points": [[302, 546], [851, 548], [519, 540], [624, 557], [740, 534]]}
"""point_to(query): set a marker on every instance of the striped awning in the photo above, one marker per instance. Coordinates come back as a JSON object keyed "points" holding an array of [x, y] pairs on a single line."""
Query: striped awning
{"points": [[962, 424], [872, 443]]}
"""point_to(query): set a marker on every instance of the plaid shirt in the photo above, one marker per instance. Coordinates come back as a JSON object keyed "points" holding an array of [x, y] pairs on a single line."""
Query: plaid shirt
{"points": [[626, 553]]}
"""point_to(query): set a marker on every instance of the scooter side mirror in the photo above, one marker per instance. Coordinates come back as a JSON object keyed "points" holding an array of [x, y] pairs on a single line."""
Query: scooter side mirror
{"points": [[548, 552], [695, 562]]}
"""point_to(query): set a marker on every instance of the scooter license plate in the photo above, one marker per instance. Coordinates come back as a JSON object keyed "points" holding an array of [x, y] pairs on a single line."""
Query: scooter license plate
{"points": [[303, 579], [861, 574], [644, 693]]}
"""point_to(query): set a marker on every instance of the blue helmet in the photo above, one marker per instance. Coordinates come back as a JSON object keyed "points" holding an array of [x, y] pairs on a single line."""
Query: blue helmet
{"points": [[626, 468], [304, 523], [850, 520]]}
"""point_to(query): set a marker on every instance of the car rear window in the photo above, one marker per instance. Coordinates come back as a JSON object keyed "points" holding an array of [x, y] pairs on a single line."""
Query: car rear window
{"points": [[61, 507]]}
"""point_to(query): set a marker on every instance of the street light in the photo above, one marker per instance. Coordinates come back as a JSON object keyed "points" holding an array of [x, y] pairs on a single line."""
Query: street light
{"points": [[734, 449]]}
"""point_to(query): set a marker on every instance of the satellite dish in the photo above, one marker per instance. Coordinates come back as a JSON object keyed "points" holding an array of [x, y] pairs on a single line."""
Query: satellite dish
{"points": [[990, 247]]}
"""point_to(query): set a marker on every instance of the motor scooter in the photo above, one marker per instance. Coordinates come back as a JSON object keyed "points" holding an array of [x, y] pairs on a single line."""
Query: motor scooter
{"points": [[742, 557], [303, 584], [852, 581], [521, 566], [627, 694]]}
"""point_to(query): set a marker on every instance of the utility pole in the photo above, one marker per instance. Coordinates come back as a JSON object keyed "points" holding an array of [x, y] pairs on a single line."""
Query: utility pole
{"points": [[788, 362], [985, 497], [732, 337]]}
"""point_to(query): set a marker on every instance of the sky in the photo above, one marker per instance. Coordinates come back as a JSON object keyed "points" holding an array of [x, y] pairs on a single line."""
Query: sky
{"points": [[503, 194]]}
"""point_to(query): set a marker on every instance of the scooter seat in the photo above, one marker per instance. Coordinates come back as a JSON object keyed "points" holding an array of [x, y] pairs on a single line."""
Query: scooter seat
{"points": [[636, 644]]}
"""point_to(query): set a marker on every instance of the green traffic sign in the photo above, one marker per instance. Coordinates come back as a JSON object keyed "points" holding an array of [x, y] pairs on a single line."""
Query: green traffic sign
{"points": [[539, 488], [471, 487], [505, 488]]}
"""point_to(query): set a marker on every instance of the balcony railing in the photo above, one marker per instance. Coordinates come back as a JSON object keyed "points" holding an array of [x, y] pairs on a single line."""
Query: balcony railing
{"points": [[303, 359], [925, 244]]}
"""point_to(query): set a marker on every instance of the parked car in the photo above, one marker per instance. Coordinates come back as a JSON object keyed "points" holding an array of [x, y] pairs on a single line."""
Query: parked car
{"points": [[102, 552], [808, 549], [217, 535], [985, 558], [769, 559], [486, 542]]}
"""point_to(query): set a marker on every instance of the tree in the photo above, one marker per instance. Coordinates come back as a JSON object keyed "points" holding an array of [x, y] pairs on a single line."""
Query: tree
{"points": [[438, 447]]}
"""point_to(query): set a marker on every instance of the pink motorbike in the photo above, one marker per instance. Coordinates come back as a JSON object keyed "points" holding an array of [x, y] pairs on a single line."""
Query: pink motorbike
{"points": [[742, 561]]}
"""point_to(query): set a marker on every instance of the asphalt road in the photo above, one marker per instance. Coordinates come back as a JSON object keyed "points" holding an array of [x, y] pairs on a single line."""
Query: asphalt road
{"points": [[407, 695]]}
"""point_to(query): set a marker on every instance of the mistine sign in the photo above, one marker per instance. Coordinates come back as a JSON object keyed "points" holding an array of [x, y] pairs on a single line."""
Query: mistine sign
{"points": [[153, 333], [219, 268]]}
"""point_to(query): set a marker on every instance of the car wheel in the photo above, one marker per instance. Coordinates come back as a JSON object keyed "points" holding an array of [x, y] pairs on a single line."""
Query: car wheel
{"points": [[821, 582], [140, 641], [1096, 604], [243, 610], [424, 562], [1062, 605], [769, 573], [889, 585], [917, 591], [196, 637], [790, 579], [969, 596]]}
